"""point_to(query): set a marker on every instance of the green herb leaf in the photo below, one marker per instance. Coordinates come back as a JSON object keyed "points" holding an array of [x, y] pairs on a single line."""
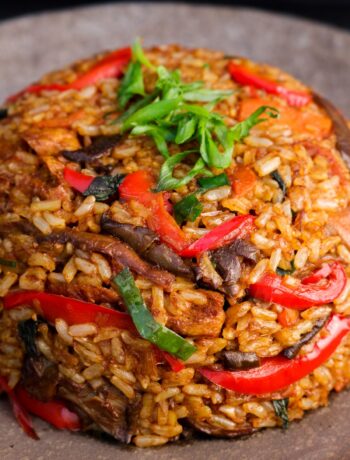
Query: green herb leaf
{"points": [[131, 85], [160, 134], [241, 130], [185, 128], [207, 183], [27, 330], [8, 263], [280, 407], [283, 272], [146, 325], [188, 209], [139, 55], [154, 111], [102, 187], [207, 95]]}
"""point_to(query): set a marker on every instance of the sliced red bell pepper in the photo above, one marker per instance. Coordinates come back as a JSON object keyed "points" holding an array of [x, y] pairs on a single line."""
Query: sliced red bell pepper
{"points": [[175, 364], [52, 306], [19, 411], [77, 180], [278, 372], [237, 227], [138, 186], [246, 77], [110, 66], [54, 412], [320, 288]]}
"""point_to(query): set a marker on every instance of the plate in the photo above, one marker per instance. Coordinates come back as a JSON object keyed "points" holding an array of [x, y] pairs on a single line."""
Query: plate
{"points": [[318, 55]]}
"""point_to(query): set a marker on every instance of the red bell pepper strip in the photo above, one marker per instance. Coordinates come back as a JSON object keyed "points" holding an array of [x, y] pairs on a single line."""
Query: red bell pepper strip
{"points": [[108, 67], [138, 186], [245, 77], [53, 412], [278, 372], [19, 411], [237, 227], [77, 180], [175, 364], [328, 286], [52, 306]]}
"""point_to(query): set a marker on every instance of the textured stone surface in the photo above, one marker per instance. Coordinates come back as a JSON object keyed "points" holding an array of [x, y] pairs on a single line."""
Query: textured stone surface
{"points": [[30, 46]]}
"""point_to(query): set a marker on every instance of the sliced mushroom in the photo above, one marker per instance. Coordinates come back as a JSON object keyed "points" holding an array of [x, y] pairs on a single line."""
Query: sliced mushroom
{"points": [[238, 360], [119, 252], [146, 243], [100, 146]]}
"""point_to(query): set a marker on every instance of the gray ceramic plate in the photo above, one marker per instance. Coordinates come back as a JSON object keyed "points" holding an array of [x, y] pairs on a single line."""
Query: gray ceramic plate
{"points": [[318, 55]]}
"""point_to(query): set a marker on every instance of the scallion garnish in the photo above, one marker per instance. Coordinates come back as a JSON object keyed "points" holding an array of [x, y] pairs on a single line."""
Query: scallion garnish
{"points": [[8, 263], [146, 325], [207, 183], [168, 115], [187, 209], [280, 407]]}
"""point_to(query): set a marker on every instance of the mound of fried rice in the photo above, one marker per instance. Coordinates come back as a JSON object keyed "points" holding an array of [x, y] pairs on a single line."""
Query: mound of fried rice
{"points": [[137, 397]]}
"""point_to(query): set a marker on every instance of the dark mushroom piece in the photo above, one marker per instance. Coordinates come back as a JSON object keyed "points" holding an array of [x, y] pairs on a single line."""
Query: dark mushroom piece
{"points": [[100, 146], [147, 244], [291, 352], [340, 125], [238, 360], [115, 249], [106, 406], [3, 113]]}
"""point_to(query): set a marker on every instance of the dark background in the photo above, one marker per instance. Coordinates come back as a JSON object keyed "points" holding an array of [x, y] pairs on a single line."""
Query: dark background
{"points": [[336, 12]]}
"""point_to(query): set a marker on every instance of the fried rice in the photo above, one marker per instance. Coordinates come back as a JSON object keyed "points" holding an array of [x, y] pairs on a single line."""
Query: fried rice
{"points": [[113, 378]]}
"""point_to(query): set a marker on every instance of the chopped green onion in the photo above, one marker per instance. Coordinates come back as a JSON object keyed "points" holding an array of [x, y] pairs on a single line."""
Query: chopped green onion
{"points": [[242, 129], [207, 95], [187, 209], [207, 183], [8, 263], [280, 407], [146, 325], [283, 272]]}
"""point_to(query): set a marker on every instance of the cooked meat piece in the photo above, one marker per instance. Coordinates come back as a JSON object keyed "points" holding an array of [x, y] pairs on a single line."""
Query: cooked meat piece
{"points": [[106, 406], [114, 248], [238, 360], [206, 273], [83, 291], [146, 243], [228, 265], [99, 147], [340, 126], [197, 320], [207, 428], [50, 141], [291, 352], [40, 377]]}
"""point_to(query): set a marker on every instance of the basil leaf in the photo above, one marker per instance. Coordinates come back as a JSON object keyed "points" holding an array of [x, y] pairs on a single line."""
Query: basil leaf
{"points": [[207, 183], [27, 330], [102, 187], [185, 129], [280, 407], [136, 106], [146, 325], [188, 209], [242, 129], [151, 112], [206, 95]]}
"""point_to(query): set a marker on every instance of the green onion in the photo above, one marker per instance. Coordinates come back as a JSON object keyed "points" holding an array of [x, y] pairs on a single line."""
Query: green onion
{"points": [[241, 130], [207, 95], [8, 263], [146, 325], [207, 183], [280, 407], [283, 272], [187, 209]]}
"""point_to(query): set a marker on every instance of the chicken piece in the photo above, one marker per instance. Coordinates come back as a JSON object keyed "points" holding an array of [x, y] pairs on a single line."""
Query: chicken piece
{"points": [[51, 141], [197, 320]]}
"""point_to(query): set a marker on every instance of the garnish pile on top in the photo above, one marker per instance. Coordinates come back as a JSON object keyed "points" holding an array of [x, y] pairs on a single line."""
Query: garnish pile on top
{"points": [[168, 115]]}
